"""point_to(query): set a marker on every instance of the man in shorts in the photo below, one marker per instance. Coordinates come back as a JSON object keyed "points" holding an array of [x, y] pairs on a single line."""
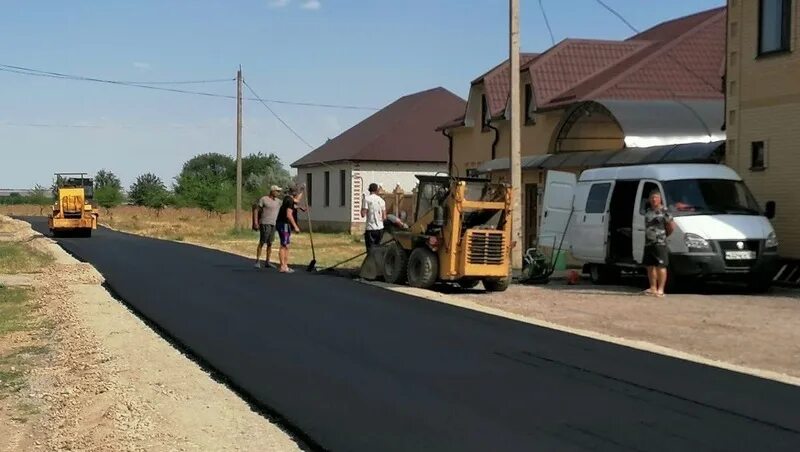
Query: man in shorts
{"points": [[264, 219], [373, 208], [285, 224], [658, 226]]}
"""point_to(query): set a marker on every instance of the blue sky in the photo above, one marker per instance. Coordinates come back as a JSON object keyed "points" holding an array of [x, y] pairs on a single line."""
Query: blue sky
{"points": [[356, 52]]}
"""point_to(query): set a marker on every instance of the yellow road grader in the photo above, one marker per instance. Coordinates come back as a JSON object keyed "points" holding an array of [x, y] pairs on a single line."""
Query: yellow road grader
{"points": [[73, 210], [461, 234]]}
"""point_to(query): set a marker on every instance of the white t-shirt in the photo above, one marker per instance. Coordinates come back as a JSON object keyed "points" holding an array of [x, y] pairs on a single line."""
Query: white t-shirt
{"points": [[375, 206]]}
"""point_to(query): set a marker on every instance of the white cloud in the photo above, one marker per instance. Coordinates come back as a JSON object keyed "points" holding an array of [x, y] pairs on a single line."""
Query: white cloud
{"points": [[278, 3], [312, 5], [141, 65]]}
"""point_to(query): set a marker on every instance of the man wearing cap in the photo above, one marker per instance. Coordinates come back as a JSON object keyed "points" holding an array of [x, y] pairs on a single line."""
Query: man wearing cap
{"points": [[267, 207]]}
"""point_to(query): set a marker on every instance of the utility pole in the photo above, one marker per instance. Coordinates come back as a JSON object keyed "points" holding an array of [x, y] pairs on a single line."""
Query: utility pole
{"points": [[515, 124], [238, 215]]}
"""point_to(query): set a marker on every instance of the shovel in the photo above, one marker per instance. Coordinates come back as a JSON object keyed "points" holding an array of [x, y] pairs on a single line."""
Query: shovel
{"points": [[312, 266]]}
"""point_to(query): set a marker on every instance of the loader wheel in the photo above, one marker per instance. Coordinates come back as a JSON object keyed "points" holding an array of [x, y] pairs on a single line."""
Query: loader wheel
{"points": [[496, 285], [86, 233], [423, 268], [395, 264]]}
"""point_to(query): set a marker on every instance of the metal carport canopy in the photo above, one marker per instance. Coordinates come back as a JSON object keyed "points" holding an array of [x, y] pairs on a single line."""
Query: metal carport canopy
{"points": [[661, 122], [673, 153]]}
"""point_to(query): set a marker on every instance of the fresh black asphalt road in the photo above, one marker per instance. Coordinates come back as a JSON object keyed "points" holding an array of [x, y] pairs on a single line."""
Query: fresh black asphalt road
{"points": [[359, 368]]}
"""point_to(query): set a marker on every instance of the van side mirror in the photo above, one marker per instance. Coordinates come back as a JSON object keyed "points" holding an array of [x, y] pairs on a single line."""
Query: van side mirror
{"points": [[769, 210]]}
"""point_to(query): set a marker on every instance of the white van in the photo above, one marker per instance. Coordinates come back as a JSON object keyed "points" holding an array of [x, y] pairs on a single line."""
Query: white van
{"points": [[720, 231]]}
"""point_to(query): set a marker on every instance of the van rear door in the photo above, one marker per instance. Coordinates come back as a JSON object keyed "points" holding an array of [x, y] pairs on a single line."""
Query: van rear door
{"points": [[559, 195], [590, 239]]}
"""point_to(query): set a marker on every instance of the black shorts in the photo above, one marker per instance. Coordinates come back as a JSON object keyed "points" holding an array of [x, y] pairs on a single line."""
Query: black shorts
{"points": [[372, 238], [266, 234], [656, 256]]}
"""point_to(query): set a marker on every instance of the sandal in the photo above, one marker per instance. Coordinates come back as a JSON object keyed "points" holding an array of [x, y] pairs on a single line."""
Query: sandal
{"points": [[649, 293]]}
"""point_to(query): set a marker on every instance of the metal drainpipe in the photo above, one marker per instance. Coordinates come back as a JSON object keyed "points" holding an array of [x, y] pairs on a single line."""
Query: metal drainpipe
{"points": [[496, 138], [449, 152]]}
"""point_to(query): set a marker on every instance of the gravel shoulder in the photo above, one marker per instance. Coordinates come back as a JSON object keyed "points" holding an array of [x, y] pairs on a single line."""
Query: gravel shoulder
{"points": [[105, 381]]}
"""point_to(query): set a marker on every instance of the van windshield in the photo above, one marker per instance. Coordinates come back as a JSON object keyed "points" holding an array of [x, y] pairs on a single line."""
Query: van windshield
{"points": [[709, 197]]}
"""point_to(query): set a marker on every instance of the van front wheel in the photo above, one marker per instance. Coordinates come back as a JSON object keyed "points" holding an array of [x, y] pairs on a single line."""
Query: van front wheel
{"points": [[603, 274]]}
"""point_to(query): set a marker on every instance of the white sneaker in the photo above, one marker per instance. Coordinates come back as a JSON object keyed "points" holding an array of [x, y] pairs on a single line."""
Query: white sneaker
{"points": [[257, 265]]}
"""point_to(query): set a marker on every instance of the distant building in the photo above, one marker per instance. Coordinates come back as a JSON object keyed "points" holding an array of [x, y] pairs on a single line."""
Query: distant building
{"points": [[388, 148], [5, 192], [763, 107]]}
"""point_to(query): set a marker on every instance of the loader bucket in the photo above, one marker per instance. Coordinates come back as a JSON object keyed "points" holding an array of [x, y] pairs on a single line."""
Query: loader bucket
{"points": [[372, 267]]}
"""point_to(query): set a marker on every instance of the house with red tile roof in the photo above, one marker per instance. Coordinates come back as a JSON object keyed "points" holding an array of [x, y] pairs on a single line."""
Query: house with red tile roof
{"points": [[388, 148], [662, 86]]}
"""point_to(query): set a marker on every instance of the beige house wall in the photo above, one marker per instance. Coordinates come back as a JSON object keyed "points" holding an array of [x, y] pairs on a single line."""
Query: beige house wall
{"points": [[473, 146], [763, 104]]}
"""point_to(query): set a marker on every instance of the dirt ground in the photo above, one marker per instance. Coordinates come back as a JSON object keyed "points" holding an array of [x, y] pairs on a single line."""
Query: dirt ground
{"points": [[97, 378], [722, 324]]}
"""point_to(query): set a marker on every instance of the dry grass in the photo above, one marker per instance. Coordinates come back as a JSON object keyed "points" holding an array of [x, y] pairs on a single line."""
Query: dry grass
{"points": [[197, 227], [21, 258]]}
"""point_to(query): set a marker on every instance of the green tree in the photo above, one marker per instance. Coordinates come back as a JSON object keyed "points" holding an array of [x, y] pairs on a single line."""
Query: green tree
{"points": [[211, 166], [149, 191], [105, 178], [40, 196], [260, 171], [108, 197]]}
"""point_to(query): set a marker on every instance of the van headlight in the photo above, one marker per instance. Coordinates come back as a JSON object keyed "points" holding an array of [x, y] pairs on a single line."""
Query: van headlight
{"points": [[696, 243], [772, 242]]}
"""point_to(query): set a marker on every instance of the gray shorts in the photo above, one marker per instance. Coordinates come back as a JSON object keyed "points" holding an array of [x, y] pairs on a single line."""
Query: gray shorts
{"points": [[266, 234]]}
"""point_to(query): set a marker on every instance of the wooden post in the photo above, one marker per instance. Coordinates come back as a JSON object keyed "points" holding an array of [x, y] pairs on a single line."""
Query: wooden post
{"points": [[238, 215], [515, 124]]}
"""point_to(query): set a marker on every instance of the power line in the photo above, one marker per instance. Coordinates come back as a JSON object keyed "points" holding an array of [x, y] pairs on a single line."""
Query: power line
{"points": [[619, 16], [277, 116], [547, 23], [667, 54], [148, 85]]}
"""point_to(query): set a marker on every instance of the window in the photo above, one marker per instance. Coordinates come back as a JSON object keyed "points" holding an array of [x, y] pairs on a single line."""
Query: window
{"points": [[484, 114], [732, 88], [734, 29], [309, 188], [528, 104], [774, 26], [758, 159], [709, 197], [644, 203], [327, 188], [342, 188], [732, 118], [598, 195]]}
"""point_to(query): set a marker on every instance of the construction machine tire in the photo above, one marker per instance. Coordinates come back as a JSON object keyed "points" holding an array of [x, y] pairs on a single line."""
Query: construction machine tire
{"points": [[423, 268], [395, 265], [496, 285], [468, 283], [85, 232]]}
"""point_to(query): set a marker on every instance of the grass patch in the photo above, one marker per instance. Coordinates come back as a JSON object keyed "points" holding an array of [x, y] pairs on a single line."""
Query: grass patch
{"points": [[13, 309], [15, 316], [21, 258]]}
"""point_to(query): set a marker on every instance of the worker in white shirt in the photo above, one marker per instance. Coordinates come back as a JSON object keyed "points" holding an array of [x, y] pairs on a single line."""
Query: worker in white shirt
{"points": [[373, 208]]}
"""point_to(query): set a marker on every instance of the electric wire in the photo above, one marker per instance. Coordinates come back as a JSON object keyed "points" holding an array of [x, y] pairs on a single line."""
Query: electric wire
{"points": [[285, 124], [547, 23], [148, 85]]}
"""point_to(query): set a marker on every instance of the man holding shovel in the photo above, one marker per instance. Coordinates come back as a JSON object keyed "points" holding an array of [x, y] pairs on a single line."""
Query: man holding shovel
{"points": [[286, 224]]}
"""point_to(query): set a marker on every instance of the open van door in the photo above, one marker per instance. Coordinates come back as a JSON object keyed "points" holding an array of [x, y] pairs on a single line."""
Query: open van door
{"points": [[559, 195]]}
